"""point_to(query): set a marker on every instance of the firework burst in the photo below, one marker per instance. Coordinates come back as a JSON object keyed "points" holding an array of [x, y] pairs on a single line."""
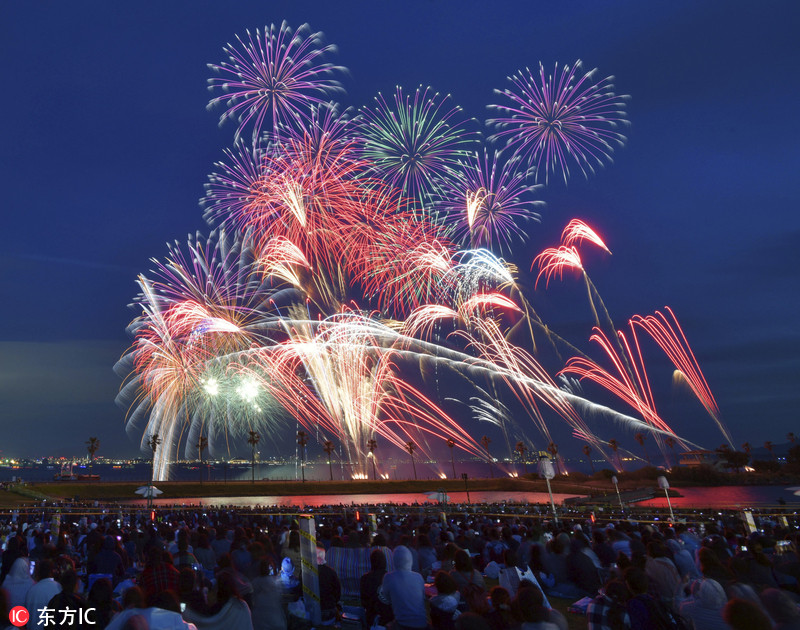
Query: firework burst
{"points": [[276, 74], [415, 143], [332, 291], [561, 120], [492, 202]]}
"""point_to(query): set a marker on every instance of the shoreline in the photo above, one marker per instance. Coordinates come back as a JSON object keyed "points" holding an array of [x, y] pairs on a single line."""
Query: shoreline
{"points": [[105, 491]]}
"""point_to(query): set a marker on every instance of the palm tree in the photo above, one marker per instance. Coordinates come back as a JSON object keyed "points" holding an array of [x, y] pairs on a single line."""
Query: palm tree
{"points": [[790, 436], [587, 450], [328, 447], [252, 440], [768, 446], [92, 445], [410, 446], [153, 442], [302, 440], [372, 445], [202, 444], [614, 446], [552, 448], [639, 437], [747, 447], [451, 445], [520, 448], [485, 440]]}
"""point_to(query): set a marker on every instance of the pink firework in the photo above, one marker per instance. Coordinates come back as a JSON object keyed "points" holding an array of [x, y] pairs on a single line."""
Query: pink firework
{"points": [[560, 120], [554, 260], [628, 380], [667, 333], [576, 232], [277, 73]]}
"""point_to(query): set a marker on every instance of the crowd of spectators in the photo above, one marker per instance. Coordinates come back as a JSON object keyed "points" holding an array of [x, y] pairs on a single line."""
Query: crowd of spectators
{"points": [[396, 568]]}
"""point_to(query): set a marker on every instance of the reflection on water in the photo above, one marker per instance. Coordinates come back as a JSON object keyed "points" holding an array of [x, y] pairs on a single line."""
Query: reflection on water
{"points": [[724, 497], [319, 500], [730, 497]]}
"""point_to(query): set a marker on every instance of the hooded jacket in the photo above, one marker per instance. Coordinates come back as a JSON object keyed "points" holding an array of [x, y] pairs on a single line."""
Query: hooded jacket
{"points": [[404, 590], [18, 582], [705, 608]]}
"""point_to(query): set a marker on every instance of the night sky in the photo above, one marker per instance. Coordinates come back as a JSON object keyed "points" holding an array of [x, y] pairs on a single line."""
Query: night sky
{"points": [[106, 144]]}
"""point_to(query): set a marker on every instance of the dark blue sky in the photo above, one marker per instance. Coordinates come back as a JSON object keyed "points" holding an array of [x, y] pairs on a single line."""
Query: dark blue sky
{"points": [[106, 144]]}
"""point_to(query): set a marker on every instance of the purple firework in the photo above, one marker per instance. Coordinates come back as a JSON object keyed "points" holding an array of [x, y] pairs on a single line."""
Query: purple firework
{"points": [[232, 192], [279, 73], [560, 120], [491, 201]]}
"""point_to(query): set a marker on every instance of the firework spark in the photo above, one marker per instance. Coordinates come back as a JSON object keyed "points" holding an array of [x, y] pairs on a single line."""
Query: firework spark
{"points": [[277, 73], [415, 142], [333, 293], [560, 120]]}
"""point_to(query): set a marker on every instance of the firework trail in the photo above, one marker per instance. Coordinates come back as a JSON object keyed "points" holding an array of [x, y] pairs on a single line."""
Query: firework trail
{"points": [[667, 333], [332, 292], [628, 380], [560, 120]]}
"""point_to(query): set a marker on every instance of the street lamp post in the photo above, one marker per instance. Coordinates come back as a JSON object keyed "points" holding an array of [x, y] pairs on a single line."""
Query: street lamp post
{"points": [[616, 485], [546, 471], [664, 484]]}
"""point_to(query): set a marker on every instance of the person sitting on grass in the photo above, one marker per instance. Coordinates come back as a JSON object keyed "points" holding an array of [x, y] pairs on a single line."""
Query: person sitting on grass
{"points": [[404, 590], [531, 612]]}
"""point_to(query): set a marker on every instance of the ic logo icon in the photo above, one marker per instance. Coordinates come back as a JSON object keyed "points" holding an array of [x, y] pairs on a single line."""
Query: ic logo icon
{"points": [[19, 616]]}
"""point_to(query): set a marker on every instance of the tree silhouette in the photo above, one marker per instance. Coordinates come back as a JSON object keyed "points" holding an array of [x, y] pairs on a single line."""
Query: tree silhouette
{"points": [[587, 450], [410, 446], [614, 447], [768, 445], [302, 440], [451, 445], [747, 447], [252, 440], [639, 437], [520, 448], [328, 447], [202, 444], [92, 445], [791, 437], [733, 459], [485, 440], [372, 445], [153, 443]]}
